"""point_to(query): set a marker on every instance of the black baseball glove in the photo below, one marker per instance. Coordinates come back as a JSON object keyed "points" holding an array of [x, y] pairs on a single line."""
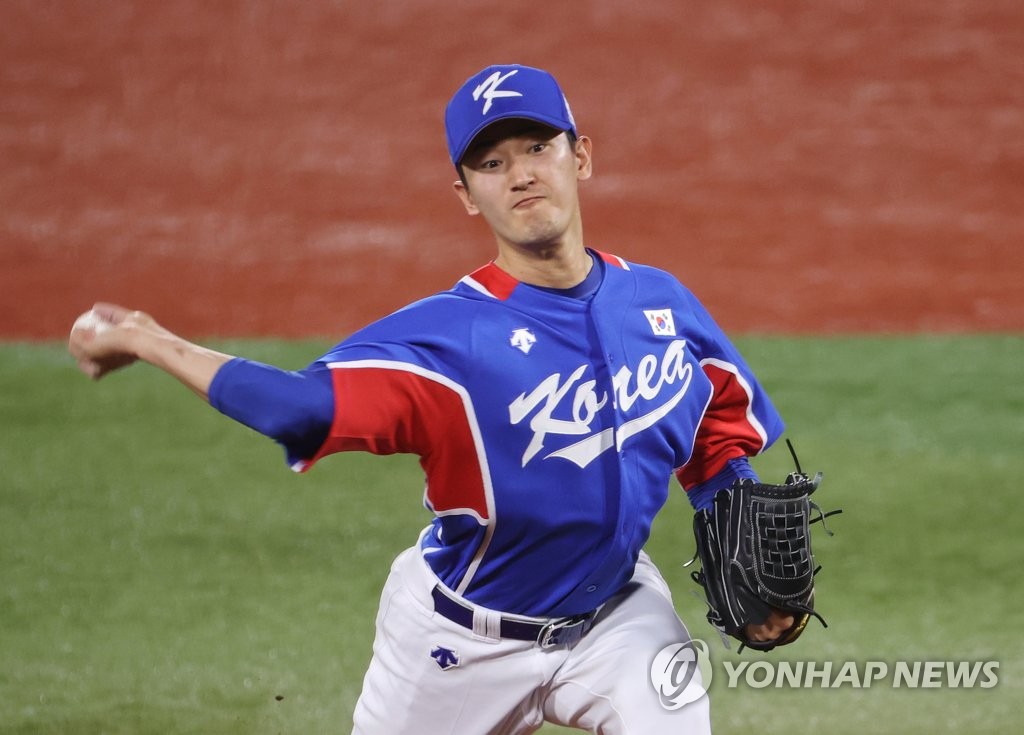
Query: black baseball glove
{"points": [[754, 547]]}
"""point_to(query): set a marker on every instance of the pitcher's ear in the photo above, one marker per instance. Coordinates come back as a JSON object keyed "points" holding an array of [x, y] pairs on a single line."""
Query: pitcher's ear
{"points": [[584, 158], [462, 192]]}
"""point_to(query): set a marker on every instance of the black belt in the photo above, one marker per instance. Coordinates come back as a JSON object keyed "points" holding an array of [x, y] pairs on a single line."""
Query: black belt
{"points": [[555, 632]]}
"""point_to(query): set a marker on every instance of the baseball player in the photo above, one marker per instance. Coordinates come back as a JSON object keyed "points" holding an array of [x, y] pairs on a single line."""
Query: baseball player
{"points": [[550, 395]]}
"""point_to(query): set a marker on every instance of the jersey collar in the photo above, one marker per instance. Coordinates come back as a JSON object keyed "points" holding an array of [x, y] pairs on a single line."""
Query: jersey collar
{"points": [[492, 281]]}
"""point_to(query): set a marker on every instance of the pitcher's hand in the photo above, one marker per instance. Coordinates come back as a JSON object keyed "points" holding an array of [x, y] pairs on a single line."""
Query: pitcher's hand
{"points": [[102, 340]]}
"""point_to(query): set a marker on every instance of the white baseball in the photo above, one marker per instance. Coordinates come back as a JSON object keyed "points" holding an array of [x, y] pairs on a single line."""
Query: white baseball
{"points": [[91, 320]]}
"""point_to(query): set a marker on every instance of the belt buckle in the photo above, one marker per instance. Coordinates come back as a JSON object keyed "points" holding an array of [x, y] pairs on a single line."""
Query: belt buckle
{"points": [[551, 634]]}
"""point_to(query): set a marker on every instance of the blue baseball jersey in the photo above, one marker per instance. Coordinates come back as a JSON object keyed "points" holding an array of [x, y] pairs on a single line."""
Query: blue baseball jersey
{"points": [[548, 427]]}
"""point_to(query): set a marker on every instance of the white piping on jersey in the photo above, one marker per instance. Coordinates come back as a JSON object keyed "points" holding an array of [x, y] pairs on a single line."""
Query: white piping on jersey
{"points": [[476, 286], [622, 264], [419, 541], [474, 428], [751, 418]]}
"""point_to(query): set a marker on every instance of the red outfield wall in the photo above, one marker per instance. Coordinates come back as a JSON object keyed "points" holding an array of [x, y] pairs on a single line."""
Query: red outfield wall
{"points": [[279, 168]]}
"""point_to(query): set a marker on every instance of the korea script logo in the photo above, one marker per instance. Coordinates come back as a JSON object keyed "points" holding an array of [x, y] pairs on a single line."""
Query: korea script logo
{"points": [[671, 374]]}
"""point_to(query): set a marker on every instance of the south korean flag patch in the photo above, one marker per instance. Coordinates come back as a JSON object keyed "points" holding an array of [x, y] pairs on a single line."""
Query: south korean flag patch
{"points": [[661, 321]]}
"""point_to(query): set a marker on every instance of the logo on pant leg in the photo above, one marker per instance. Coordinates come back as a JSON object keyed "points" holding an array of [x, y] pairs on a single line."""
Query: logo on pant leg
{"points": [[446, 658]]}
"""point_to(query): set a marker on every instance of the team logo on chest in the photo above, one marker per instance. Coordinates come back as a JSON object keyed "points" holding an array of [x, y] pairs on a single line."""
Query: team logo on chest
{"points": [[523, 340], [671, 375]]}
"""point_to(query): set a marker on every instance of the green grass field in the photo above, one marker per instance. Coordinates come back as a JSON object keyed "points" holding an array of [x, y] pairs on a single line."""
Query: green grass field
{"points": [[161, 571]]}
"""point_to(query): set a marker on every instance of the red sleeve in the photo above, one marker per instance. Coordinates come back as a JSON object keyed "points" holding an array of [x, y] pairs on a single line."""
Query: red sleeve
{"points": [[729, 428], [387, 407]]}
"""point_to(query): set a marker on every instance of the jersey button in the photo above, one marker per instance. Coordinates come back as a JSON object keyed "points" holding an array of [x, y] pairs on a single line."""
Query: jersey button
{"points": [[592, 588]]}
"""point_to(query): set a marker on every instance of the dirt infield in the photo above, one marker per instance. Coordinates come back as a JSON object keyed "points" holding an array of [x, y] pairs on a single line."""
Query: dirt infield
{"points": [[279, 168]]}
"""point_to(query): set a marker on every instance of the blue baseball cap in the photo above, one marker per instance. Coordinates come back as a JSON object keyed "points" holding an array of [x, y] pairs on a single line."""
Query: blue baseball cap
{"points": [[500, 93]]}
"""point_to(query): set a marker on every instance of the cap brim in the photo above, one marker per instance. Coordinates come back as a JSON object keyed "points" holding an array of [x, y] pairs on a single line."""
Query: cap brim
{"points": [[526, 115]]}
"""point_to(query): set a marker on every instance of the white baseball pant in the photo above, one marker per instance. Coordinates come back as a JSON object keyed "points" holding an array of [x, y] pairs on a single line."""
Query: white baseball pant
{"points": [[474, 684]]}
